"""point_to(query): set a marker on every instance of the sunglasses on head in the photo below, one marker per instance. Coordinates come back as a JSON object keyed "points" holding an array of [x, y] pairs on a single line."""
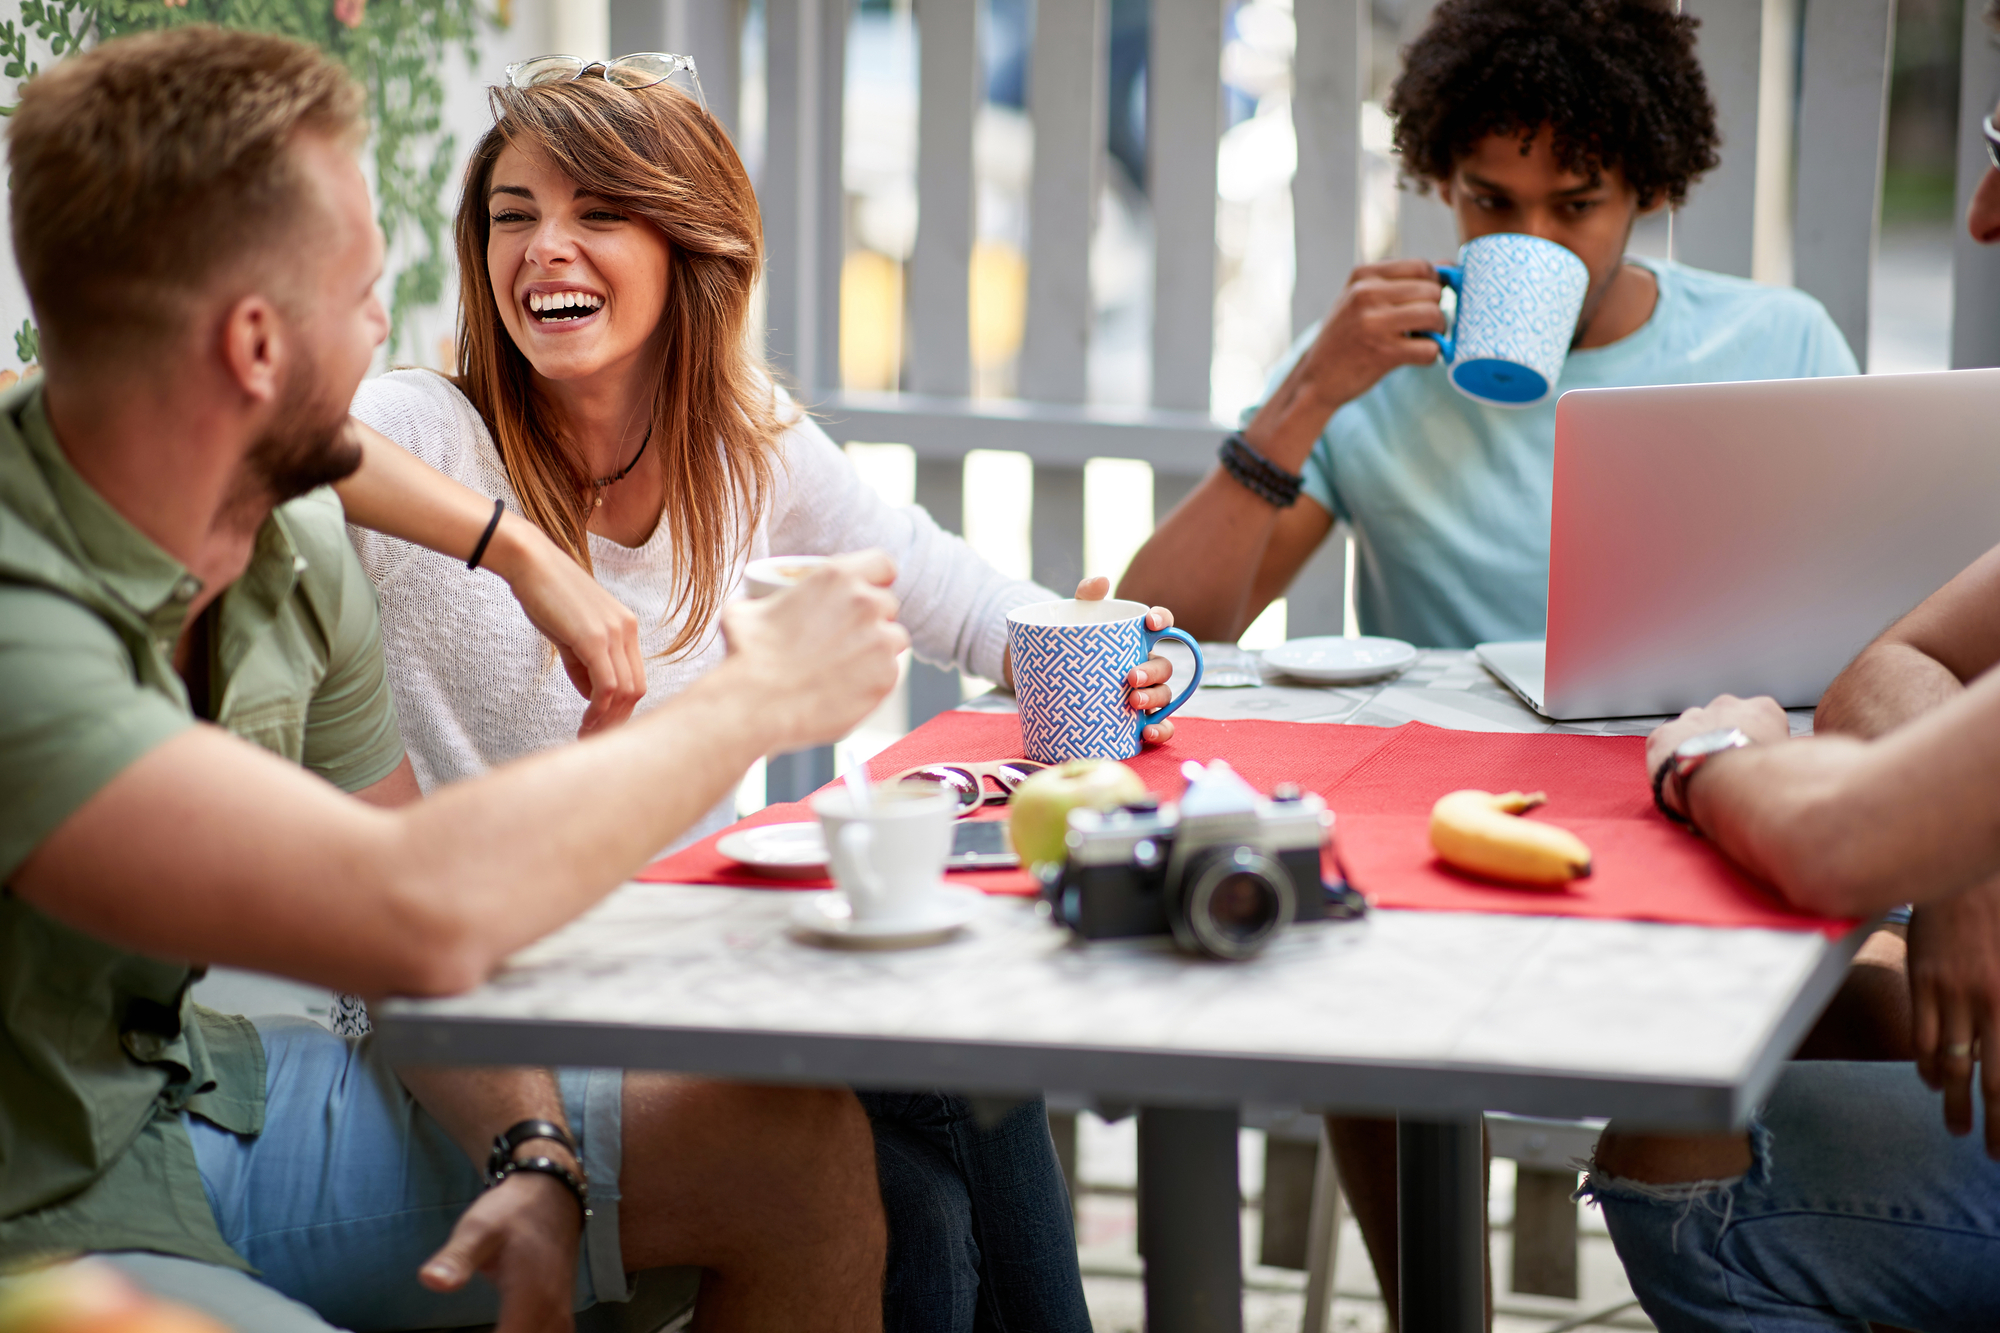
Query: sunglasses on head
{"points": [[966, 783], [642, 69]]}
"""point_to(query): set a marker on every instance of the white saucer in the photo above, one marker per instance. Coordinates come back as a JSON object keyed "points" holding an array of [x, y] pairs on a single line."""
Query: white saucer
{"points": [[1329, 660], [823, 918], [782, 851]]}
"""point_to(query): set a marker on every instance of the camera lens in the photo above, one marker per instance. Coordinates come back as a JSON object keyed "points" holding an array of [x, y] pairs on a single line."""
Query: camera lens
{"points": [[1236, 899]]}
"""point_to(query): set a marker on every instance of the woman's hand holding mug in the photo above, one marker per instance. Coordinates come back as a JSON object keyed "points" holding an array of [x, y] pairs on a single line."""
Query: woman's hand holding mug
{"points": [[1149, 679], [1147, 688]]}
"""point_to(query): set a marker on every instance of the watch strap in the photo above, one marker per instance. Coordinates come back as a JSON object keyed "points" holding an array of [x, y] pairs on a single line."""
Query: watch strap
{"points": [[1660, 794], [1685, 762]]}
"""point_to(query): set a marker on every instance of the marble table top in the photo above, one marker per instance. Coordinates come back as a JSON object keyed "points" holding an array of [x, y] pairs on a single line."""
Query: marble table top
{"points": [[1413, 1011], [1680, 1025], [1444, 687]]}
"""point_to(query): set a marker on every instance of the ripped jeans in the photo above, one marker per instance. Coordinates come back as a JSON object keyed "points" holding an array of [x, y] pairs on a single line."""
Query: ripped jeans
{"points": [[1858, 1207]]}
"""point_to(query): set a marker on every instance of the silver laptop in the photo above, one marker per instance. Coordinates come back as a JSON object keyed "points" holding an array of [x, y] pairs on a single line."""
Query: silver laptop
{"points": [[1750, 538]]}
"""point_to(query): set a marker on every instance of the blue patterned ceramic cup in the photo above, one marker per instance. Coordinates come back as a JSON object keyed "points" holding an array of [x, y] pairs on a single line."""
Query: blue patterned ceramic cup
{"points": [[1071, 660], [1518, 302]]}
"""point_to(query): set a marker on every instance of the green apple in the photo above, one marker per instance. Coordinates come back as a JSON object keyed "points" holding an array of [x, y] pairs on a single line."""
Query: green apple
{"points": [[1038, 814]]}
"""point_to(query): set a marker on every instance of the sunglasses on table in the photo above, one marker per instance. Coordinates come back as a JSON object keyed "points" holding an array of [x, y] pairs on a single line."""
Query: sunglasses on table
{"points": [[642, 69], [966, 783]]}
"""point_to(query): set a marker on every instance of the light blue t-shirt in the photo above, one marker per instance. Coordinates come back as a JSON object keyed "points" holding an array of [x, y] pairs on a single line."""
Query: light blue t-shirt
{"points": [[1449, 499]]}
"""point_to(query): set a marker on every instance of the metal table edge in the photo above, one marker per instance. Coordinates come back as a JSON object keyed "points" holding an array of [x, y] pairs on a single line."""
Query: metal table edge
{"points": [[1124, 1075]]}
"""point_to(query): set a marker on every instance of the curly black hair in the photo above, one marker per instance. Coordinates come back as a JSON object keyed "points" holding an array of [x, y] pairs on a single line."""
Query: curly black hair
{"points": [[1616, 80]]}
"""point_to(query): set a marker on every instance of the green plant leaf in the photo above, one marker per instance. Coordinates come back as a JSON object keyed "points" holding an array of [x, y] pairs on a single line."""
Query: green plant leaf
{"points": [[395, 51]]}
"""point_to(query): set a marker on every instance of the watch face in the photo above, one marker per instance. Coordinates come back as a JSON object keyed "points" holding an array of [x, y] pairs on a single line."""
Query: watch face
{"points": [[1713, 742]]}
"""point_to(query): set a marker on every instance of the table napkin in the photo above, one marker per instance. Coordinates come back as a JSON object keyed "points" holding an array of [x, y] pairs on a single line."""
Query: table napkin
{"points": [[1381, 782]]}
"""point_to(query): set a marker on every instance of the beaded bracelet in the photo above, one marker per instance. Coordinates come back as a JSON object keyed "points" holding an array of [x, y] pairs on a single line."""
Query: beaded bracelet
{"points": [[500, 1162], [1258, 474], [546, 1166]]}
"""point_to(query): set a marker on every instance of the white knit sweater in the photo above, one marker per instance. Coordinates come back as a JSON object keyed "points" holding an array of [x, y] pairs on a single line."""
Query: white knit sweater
{"points": [[477, 685]]}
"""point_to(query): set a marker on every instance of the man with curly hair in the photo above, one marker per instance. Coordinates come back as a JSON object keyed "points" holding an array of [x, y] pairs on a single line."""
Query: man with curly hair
{"points": [[1564, 119]]}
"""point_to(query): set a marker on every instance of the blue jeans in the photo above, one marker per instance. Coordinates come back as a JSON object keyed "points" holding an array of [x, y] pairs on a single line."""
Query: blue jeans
{"points": [[351, 1176], [980, 1236], [352, 1185], [1858, 1208]]}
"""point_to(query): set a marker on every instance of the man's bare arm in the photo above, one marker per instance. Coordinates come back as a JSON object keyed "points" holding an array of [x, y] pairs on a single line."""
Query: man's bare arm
{"points": [[209, 848], [1953, 959], [1223, 554], [1923, 660], [1847, 827]]}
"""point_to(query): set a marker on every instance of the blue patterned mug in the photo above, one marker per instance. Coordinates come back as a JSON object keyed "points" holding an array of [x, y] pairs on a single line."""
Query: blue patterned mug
{"points": [[1518, 302], [1071, 660]]}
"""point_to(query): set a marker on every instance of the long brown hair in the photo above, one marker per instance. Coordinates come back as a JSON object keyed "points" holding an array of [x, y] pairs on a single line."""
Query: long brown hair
{"points": [[657, 154]]}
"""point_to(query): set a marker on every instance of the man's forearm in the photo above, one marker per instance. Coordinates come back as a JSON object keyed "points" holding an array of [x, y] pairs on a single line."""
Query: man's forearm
{"points": [[1203, 560], [257, 864], [1849, 828], [1887, 685], [558, 829], [475, 1104]]}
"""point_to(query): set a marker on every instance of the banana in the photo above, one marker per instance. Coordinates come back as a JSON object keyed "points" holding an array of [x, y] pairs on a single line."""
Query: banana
{"points": [[1483, 832]]}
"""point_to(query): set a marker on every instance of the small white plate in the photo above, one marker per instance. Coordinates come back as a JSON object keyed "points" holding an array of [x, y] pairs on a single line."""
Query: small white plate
{"points": [[782, 851], [824, 919], [1336, 661]]}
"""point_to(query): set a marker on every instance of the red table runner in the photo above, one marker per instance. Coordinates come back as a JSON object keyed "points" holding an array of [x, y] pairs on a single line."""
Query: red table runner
{"points": [[1381, 782]]}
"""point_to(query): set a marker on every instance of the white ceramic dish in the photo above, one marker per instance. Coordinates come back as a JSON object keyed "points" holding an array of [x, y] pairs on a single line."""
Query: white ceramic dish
{"points": [[823, 918], [782, 851], [1329, 660]]}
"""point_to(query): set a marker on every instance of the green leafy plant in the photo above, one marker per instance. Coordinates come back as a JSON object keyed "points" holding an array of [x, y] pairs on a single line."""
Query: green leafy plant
{"points": [[396, 48], [28, 343]]}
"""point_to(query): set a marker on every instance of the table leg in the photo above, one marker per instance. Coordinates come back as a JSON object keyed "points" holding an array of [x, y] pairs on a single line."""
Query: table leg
{"points": [[1190, 1220], [1441, 1191]]}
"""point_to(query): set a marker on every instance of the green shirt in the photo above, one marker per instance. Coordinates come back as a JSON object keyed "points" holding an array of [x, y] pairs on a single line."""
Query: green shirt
{"points": [[100, 1048]]}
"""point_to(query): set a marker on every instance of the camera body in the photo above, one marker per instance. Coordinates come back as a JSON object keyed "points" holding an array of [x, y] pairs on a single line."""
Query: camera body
{"points": [[1222, 876]]}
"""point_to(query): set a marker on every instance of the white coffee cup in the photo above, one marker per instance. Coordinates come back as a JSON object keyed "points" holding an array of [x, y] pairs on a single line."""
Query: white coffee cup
{"points": [[775, 573], [888, 859]]}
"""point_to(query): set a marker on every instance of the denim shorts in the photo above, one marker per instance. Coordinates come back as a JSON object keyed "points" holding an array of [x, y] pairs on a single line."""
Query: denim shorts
{"points": [[352, 1185], [1858, 1209]]}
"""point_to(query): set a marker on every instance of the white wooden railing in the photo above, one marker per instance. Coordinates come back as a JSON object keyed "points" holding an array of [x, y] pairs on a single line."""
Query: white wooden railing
{"points": [[1800, 87]]}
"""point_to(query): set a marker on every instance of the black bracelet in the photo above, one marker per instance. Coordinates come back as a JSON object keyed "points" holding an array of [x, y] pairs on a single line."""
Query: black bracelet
{"points": [[500, 1162], [545, 1166], [1660, 795], [509, 1141], [1258, 474], [492, 526]]}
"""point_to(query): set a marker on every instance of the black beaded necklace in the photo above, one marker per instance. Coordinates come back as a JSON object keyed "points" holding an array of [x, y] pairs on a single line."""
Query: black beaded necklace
{"points": [[599, 483]]}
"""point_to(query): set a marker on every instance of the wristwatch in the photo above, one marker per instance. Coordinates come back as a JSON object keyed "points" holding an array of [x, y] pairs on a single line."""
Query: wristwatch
{"points": [[1688, 756]]}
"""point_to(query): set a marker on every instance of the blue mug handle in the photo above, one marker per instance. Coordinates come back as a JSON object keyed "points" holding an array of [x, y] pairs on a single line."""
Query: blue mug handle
{"points": [[1452, 276], [1153, 636]]}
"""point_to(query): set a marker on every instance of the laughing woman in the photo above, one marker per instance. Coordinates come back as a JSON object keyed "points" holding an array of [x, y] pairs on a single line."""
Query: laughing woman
{"points": [[607, 395]]}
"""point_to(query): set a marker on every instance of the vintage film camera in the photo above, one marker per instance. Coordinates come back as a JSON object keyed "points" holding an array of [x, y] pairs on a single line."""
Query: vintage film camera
{"points": [[1223, 873]]}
